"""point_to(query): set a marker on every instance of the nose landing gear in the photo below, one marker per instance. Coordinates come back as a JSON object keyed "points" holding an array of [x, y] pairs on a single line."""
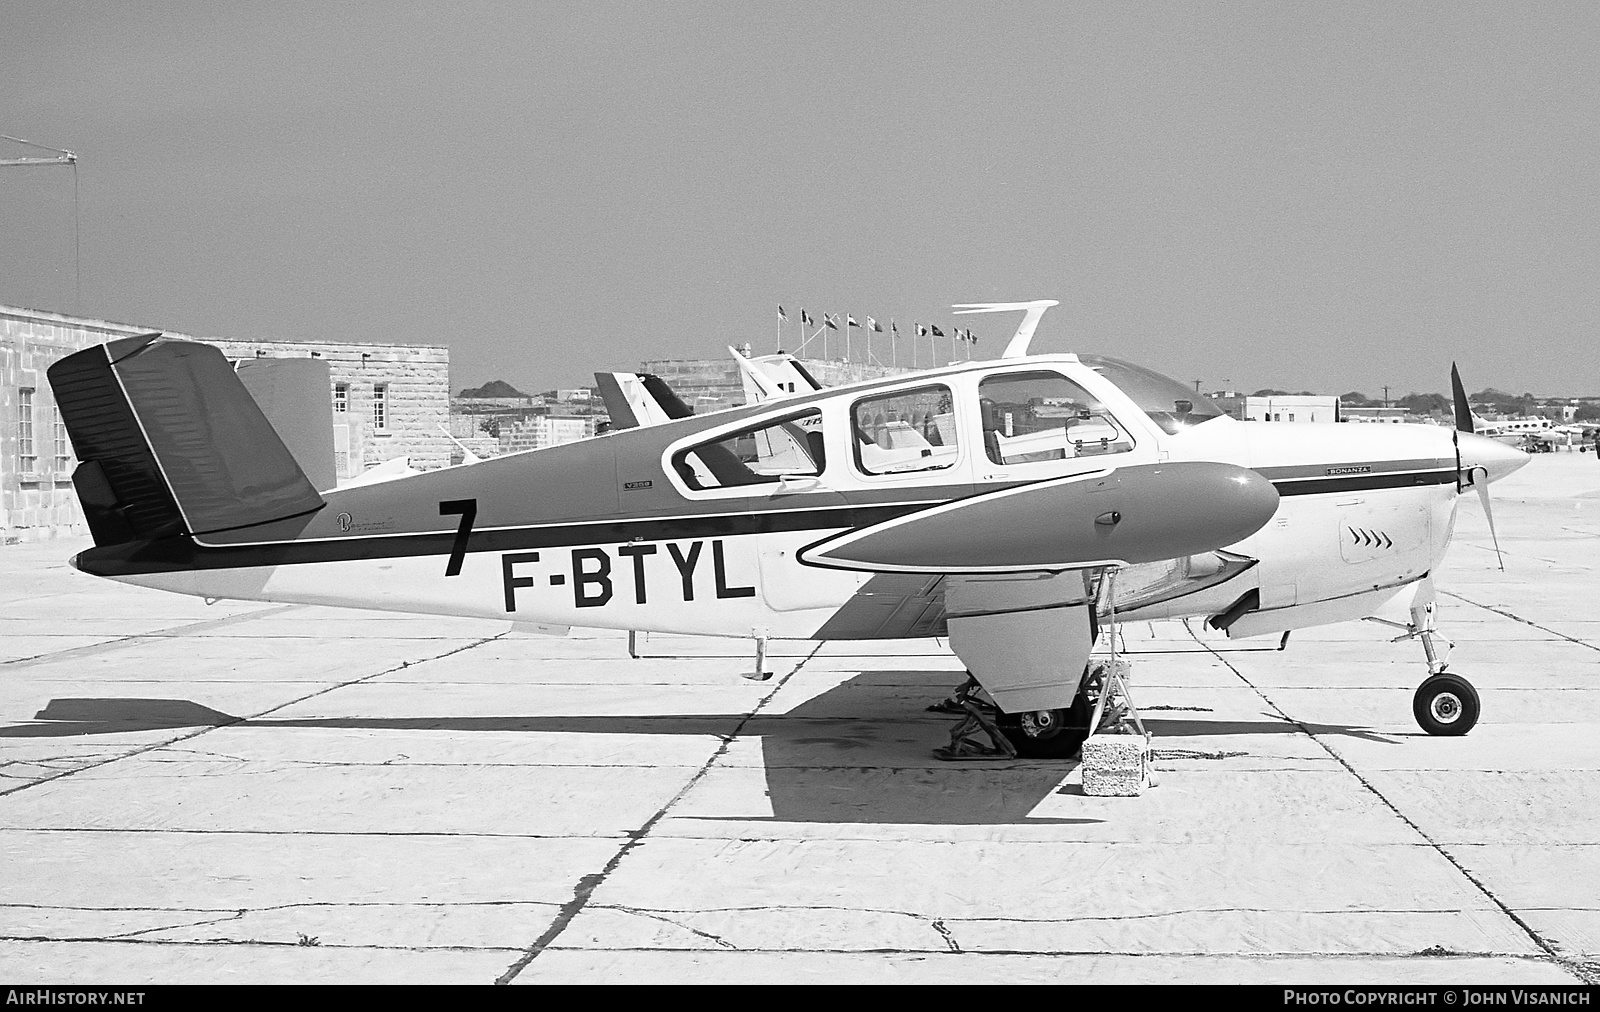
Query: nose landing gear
{"points": [[1445, 704]]}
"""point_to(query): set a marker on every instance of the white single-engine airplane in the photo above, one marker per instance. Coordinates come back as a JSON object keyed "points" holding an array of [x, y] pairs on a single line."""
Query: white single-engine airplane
{"points": [[1014, 506]]}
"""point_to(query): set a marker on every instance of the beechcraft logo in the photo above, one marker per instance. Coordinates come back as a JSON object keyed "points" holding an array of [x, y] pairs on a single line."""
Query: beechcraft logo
{"points": [[344, 520], [1359, 469]]}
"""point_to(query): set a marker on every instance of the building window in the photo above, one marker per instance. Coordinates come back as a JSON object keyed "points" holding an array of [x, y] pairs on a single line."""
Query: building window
{"points": [[380, 406], [29, 463], [341, 397], [63, 447]]}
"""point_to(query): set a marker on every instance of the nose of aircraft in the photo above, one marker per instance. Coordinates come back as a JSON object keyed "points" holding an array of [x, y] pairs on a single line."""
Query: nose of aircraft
{"points": [[1492, 455]]}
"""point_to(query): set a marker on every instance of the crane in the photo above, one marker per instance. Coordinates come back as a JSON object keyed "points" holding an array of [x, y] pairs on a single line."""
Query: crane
{"points": [[63, 157]]}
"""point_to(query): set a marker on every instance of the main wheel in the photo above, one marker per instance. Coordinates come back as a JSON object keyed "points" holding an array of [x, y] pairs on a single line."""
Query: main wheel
{"points": [[1048, 734], [1446, 704]]}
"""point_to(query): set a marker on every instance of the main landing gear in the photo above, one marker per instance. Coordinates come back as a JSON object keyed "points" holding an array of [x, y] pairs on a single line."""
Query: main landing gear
{"points": [[1103, 702], [1445, 704]]}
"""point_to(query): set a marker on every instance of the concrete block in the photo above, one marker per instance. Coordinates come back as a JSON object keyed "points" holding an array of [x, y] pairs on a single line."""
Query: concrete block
{"points": [[1115, 765]]}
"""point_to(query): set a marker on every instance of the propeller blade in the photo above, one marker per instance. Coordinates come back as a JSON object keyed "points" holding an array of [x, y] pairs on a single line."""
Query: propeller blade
{"points": [[1480, 481], [1463, 409]]}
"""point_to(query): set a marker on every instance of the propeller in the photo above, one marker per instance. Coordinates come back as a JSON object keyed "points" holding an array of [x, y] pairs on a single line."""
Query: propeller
{"points": [[1477, 477]]}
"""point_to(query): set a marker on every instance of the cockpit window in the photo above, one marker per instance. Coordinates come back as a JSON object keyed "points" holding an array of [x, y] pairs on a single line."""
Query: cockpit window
{"points": [[1169, 403], [909, 430], [1037, 416]]}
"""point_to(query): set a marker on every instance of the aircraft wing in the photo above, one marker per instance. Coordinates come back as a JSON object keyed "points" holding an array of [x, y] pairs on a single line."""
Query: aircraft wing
{"points": [[1014, 566], [1143, 513]]}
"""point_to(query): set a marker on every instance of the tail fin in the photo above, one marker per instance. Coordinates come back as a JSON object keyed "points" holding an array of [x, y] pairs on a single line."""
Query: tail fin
{"points": [[773, 377], [296, 395], [171, 443], [635, 400]]}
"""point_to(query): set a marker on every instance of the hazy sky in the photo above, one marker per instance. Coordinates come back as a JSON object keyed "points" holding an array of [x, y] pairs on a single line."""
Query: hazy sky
{"points": [[1328, 196]]}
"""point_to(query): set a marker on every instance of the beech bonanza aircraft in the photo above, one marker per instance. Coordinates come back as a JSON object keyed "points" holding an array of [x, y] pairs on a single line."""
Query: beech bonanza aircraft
{"points": [[1015, 506]]}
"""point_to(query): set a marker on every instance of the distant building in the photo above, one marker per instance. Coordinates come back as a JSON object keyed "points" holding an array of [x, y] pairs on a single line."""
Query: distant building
{"points": [[388, 401], [1376, 413], [712, 384], [541, 431], [1291, 408]]}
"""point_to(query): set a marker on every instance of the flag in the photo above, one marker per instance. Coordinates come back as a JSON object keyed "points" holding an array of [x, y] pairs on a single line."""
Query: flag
{"points": [[922, 331], [937, 332], [971, 337], [805, 318], [782, 315], [894, 327], [831, 321], [874, 326], [850, 321]]}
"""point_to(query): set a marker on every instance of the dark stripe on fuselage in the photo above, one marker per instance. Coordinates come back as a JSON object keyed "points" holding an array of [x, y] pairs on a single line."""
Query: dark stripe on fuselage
{"points": [[1364, 482], [177, 554]]}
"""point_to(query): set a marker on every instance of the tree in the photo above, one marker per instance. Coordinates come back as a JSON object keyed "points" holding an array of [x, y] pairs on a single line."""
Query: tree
{"points": [[1356, 399], [1587, 413], [1426, 404], [1270, 393]]}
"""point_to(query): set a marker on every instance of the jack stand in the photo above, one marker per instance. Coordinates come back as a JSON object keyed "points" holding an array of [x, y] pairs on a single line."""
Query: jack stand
{"points": [[952, 702], [964, 743], [760, 674], [1112, 764]]}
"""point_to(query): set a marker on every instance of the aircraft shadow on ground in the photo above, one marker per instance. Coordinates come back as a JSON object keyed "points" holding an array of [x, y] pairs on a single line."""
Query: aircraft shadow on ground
{"points": [[859, 752]]}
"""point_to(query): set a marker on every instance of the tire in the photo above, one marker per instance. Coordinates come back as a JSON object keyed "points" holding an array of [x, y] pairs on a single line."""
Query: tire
{"points": [[1446, 705], [1048, 734]]}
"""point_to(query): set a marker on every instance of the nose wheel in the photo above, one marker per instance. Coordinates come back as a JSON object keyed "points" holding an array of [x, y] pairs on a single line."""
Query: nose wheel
{"points": [[1446, 705]]}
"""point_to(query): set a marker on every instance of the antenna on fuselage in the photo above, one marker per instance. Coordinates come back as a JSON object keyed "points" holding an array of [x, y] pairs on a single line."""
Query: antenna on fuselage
{"points": [[1020, 340]]}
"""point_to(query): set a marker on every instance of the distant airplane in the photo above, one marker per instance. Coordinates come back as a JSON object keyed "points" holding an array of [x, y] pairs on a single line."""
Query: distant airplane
{"points": [[1019, 507]]}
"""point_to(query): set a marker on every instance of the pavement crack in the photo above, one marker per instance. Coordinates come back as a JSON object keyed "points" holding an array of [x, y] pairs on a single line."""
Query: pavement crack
{"points": [[589, 883], [949, 939], [197, 732], [656, 915], [1538, 940], [188, 629], [1518, 618]]}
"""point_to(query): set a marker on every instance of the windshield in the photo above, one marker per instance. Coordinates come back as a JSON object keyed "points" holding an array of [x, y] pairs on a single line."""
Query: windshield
{"points": [[1169, 403]]}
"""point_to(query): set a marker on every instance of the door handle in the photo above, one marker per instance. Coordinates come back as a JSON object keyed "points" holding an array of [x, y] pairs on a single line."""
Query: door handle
{"points": [[790, 484]]}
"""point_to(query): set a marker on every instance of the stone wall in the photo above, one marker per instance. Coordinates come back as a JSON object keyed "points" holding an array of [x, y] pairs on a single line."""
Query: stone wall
{"points": [[416, 384], [38, 502], [41, 503]]}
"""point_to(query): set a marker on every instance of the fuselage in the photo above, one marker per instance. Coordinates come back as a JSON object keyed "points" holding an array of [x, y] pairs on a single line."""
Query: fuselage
{"points": [[697, 525]]}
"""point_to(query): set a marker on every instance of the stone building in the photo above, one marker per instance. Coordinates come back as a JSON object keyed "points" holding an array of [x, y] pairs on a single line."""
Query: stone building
{"points": [[389, 401], [711, 384]]}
